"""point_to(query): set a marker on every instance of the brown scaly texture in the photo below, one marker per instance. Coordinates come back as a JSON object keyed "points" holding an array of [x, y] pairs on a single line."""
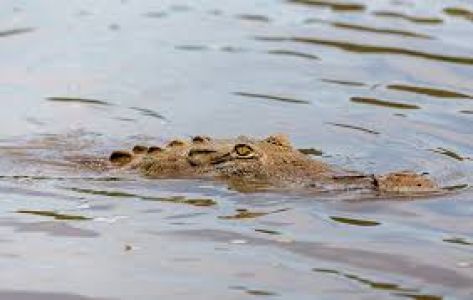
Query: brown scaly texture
{"points": [[248, 164]]}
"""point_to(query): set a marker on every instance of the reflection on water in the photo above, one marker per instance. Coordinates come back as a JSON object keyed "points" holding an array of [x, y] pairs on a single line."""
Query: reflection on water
{"points": [[79, 100], [383, 103], [334, 5], [10, 32], [270, 97], [53, 214], [373, 86], [459, 12], [374, 49], [434, 92], [414, 19], [356, 222]]}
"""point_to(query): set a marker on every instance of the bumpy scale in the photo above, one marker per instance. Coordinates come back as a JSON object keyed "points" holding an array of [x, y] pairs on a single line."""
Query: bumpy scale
{"points": [[250, 164]]}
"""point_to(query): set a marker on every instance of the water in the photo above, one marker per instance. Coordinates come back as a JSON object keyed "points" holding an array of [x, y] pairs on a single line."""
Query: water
{"points": [[370, 85]]}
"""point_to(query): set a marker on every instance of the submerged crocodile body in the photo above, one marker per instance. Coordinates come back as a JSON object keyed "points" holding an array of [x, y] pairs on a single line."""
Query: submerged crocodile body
{"points": [[248, 164]]}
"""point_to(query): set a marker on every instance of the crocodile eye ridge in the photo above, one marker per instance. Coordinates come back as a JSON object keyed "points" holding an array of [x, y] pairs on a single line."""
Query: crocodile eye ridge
{"points": [[244, 150]]}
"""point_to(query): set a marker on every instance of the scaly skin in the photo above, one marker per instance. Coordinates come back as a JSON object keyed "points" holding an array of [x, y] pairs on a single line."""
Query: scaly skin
{"points": [[249, 164]]}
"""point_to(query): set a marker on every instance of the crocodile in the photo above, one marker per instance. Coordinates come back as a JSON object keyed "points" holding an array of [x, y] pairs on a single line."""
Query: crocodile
{"points": [[248, 164]]}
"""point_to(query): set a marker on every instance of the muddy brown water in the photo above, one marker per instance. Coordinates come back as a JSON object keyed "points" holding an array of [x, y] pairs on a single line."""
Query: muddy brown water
{"points": [[367, 85]]}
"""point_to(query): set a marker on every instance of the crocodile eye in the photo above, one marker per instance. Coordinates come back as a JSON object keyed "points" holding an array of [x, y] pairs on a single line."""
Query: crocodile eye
{"points": [[244, 151]]}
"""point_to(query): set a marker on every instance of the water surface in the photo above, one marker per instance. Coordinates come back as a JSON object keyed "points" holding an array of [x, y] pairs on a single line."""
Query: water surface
{"points": [[374, 86]]}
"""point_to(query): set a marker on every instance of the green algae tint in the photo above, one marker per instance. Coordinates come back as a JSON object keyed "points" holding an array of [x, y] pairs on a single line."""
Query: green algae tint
{"points": [[414, 19], [459, 12], [381, 30], [333, 5], [449, 153], [383, 103], [391, 288], [53, 214], [375, 49], [433, 92], [356, 222]]}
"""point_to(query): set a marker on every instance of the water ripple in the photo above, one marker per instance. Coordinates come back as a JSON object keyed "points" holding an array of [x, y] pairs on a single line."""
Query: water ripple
{"points": [[270, 97], [414, 19], [15, 31], [333, 5], [383, 103], [434, 92], [359, 48]]}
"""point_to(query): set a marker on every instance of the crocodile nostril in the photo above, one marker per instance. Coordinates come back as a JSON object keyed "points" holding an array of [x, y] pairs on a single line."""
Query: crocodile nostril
{"points": [[139, 149], [121, 157]]}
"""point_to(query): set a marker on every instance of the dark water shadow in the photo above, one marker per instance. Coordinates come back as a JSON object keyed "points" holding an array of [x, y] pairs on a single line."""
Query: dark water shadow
{"points": [[388, 31], [149, 113], [355, 222], [362, 129], [428, 91], [171, 199], [371, 49], [333, 5], [449, 153], [344, 82], [192, 47], [294, 54], [459, 12], [53, 214], [77, 100], [252, 291], [414, 19], [7, 33], [254, 18], [458, 241], [271, 97], [397, 289], [383, 103], [374, 49]]}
